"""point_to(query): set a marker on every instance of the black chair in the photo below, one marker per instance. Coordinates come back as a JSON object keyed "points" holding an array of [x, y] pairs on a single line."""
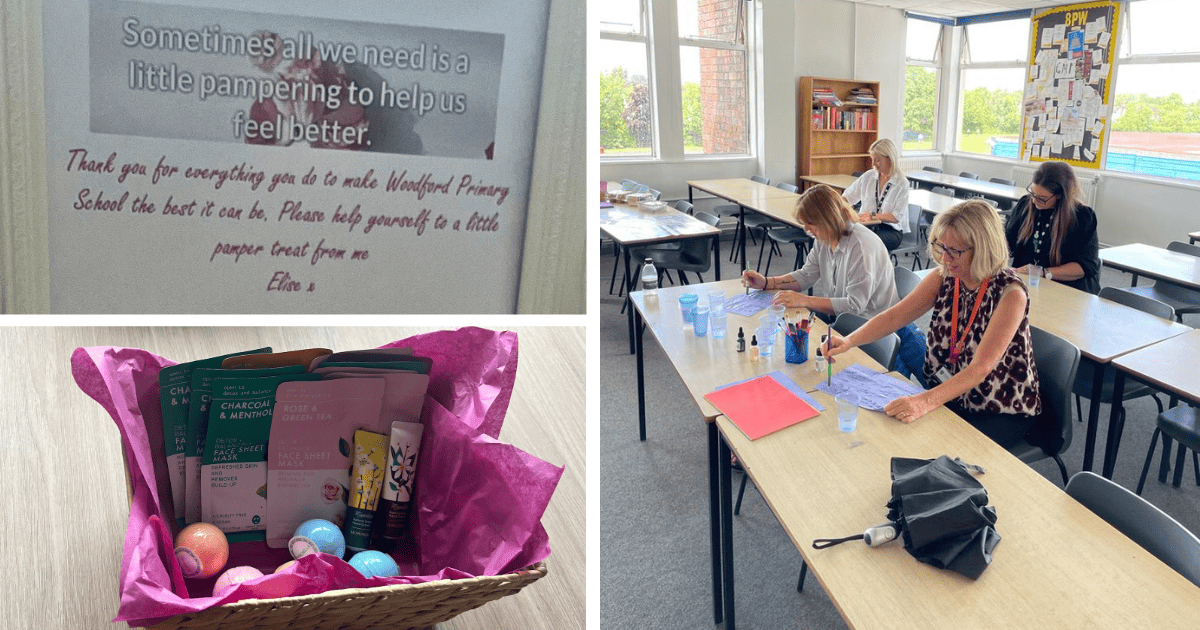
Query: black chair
{"points": [[735, 211], [906, 281], [1133, 389], [765, 225], [790, 235], [857, 174], [882, 350], [1006, 206], [927, 217], [967, 175], [1146, 525], [1183, 425], [694, 255], [1183, 300], [682, 205], [1057, 362], [911, 242], [931, 169]]}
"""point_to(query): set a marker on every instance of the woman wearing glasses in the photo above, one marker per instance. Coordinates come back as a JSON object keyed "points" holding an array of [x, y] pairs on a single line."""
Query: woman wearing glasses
{"points": [[1050, 228], [979, 361], [883, 191], [848, 270]]}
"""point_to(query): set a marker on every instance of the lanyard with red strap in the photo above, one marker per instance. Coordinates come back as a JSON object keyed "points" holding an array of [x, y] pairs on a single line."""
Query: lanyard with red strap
{"points": [[956, 346]]}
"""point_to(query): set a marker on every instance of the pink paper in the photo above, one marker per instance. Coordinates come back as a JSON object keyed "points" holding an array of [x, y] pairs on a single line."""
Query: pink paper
{"points": [[479, 501]]}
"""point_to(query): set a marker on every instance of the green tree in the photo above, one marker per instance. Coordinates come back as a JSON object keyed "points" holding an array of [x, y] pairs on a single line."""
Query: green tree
{"points": [[693, 131], [920, 97], [614, 93], [978, 115]]}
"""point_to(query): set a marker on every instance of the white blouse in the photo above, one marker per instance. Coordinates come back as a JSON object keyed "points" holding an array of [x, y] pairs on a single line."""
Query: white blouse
{"points": [[857, 276], [895, 201]]}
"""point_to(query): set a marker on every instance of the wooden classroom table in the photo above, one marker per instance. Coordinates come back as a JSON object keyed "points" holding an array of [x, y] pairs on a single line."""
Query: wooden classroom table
{"points": [[1167, 365], [837, 182], [747, 194], [627, 225], [1156, 262], [932, 202], [705, 363], [991, 190], [1057, 565], [1102, 330]]}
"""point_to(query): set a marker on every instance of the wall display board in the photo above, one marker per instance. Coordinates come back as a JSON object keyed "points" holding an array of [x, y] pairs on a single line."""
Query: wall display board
{"points": [[249, 156], [1067, 101]]}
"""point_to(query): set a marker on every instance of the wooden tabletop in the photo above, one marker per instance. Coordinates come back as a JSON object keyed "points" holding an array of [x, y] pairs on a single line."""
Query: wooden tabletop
{"points": [[782, 209], [630, 225], [704, 363], [933, 202], [1101, 329], [1057, 565], [839, 182], [746, 192], [1155, 262], [1168, 364], [988, 189]]}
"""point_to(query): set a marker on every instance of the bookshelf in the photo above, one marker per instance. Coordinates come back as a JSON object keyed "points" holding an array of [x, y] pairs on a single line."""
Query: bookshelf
{"points": [[838, 120]]}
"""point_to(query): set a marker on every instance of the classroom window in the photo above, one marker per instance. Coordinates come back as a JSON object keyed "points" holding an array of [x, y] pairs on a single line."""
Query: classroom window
{"points": [[714, 76], [644, 112], [626, 105], [921, 84], [992, 75], [1156, 107]]}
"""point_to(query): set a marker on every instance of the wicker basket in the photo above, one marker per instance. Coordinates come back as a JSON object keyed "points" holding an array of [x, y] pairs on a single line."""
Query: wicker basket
{"points": [[400, 607]]}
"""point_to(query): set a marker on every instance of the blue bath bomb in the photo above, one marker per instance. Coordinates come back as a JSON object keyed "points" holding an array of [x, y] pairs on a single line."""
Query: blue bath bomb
{"points": [[375, 564], [317, 535]]}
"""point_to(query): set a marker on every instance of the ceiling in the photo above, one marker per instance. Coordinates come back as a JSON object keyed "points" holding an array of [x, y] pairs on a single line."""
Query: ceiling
{"points": [[960, 8]]}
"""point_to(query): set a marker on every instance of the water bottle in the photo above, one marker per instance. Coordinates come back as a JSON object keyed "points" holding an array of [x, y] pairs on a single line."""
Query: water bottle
{"points": [[649, 278]]}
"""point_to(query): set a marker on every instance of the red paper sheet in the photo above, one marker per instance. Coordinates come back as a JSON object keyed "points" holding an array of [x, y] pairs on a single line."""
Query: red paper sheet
{"points": [[761, 406]]}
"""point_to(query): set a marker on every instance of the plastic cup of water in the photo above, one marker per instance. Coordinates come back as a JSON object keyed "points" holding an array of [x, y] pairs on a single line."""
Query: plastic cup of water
{"points": [[717, 323], [847, 406], [777, 310], [687, 303], [716, 303], [1035, 275], [766, 339], [700, 320]]}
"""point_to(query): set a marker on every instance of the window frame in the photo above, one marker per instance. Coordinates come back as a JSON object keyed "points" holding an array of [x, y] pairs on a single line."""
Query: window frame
{"points": [[660, 33], [960, 69], [936, 64]]}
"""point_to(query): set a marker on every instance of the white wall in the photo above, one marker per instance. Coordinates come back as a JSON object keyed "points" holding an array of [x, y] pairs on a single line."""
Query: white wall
{"points": [[879, 52]]}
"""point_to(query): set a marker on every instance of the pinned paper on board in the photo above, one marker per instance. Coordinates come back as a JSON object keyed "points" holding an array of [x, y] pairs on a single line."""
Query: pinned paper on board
{"points": [[1066, 100]]}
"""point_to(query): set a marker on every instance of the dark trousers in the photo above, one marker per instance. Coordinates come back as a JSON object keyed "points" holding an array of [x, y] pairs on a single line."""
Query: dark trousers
{"points": [[891, 238], [1005, 429]]}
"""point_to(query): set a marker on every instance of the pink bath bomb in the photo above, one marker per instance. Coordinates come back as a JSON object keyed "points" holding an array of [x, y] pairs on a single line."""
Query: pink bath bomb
{"points": [[201, 550], [233, 577]]}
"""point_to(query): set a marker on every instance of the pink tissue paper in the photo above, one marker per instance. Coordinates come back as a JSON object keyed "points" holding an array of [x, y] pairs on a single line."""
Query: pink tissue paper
{"points": [[479, 501]]}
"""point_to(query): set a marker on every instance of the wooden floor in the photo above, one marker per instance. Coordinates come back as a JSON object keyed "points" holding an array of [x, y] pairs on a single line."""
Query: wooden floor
{"points": [[65, 509]]}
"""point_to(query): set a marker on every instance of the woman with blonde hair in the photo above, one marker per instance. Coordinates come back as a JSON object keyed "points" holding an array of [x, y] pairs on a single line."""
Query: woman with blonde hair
{"points": [[883, 191], [848, 270], [1052, 229], [979, 361]]}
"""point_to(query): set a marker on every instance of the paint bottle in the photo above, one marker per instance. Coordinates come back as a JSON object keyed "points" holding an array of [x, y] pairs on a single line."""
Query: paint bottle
{"points": [[741, 340], [753, 347]]}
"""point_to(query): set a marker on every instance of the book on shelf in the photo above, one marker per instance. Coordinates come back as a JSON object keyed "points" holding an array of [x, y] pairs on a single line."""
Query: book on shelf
{"points": [[863, 96], [830, 118], [825, 96]]}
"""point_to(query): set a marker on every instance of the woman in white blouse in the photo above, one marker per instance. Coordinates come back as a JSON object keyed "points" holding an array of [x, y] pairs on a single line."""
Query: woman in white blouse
{"points": [[883, 191]]}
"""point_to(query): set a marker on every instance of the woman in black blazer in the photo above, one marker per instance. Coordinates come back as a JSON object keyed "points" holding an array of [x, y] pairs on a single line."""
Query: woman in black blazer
{"points": [[1052, 229]]}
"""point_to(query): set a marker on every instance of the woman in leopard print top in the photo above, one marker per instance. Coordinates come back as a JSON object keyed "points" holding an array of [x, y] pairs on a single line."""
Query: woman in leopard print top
{"points": [[979, 361]]}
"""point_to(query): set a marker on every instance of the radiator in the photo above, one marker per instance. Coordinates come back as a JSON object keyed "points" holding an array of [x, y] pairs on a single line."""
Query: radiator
{"points": [[913, 164], [1023, 176]]}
